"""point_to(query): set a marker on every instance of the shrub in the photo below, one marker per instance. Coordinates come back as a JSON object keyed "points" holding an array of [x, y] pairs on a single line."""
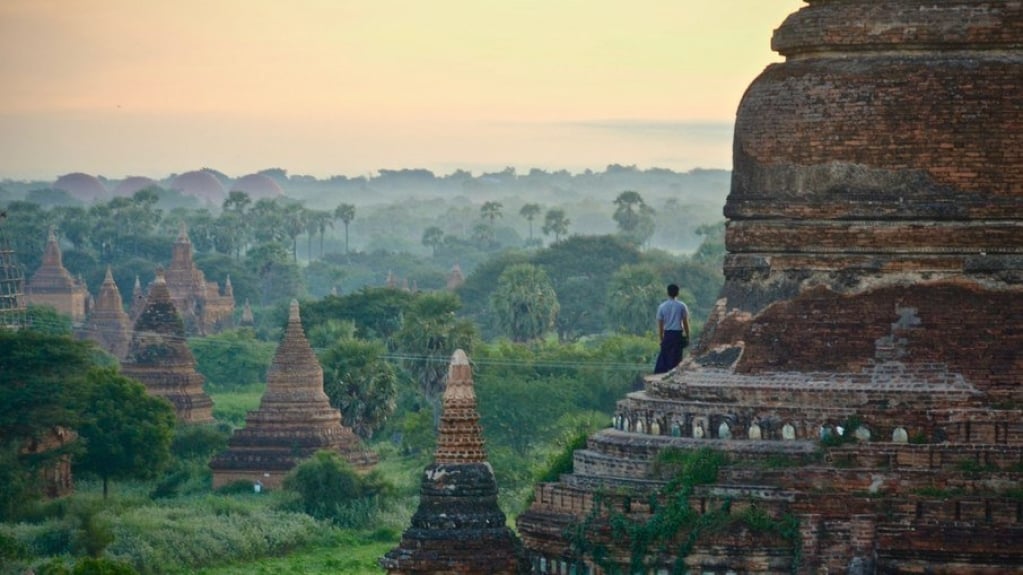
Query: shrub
{"points": [[328, 488]]}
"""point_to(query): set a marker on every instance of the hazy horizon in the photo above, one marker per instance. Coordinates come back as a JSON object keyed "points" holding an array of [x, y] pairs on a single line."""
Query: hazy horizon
{"points": [[118, 88]]}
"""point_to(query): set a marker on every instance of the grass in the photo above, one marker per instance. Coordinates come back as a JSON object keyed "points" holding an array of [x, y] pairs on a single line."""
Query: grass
{"points": [[348, 553], [232, 406]]}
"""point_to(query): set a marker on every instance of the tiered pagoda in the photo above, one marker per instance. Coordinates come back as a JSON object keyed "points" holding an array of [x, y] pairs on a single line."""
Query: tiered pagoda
{"points": [[294, 420], [159, 357], [458, 527], [108, 324], [203, 307], [52, 285], [859, 385]]}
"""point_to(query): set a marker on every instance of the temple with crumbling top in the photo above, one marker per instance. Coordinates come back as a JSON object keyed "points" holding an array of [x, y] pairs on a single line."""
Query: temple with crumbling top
{"points": [[458, 527], [159, 357], [859, 385], [52, 285], [294, 420], [203, 307], [108, 324]]}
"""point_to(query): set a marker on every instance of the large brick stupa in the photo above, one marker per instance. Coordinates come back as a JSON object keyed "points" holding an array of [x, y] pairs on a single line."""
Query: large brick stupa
{"points": [[294, 420], [53, 285], [108, 324], [159, 357], [862, 373], [458, 527]]}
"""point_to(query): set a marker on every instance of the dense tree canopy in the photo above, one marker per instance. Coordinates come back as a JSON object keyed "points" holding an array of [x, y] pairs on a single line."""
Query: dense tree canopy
{"points": [[127, 432], [525, 302]]}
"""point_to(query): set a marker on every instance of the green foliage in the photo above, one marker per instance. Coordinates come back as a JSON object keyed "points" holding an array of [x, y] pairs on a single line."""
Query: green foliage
{"points": [[525, 302], [580, 269], [376, 312], [46, 320], [127, 432], [41, 391], [563, 462], [633, 295], [230, 407], [329, 488], [198, 441], [360, 383], [232, 359], [429, 336], [102, 566]]}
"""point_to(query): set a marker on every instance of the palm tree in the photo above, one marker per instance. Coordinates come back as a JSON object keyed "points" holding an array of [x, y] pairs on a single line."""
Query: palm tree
{"points": [[555, 223], [530, 211], [345, 213], [432, 238], [294, 224]]}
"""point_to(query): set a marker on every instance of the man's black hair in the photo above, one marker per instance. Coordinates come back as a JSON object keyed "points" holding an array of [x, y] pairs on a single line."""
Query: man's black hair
{"points": [[672, 290]]}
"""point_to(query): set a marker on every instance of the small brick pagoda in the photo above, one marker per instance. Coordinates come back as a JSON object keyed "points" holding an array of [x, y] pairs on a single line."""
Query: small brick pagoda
{"points": [[52, 285], [294, 420], [159, 357], [204, 309], [108, 324], [458, 527], [860, 381]]}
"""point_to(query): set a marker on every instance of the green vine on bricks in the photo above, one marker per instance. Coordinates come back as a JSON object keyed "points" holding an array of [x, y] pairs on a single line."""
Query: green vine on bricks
{"points": [[671, 517]]}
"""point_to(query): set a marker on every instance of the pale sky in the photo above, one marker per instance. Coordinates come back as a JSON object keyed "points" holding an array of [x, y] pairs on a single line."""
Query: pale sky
{"points": [[324, 87]]}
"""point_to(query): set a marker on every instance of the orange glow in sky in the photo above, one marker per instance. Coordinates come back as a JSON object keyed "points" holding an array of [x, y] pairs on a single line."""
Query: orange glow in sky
{"points": [[321, 87]]}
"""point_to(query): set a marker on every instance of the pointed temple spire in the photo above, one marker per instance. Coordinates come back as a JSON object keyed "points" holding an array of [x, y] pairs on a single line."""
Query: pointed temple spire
{"points": [[108, 324], [248, 320], [455, 278], [458, 527], [460, 437], [159, 358], [200, 303], [54, 286], [294, 420]]}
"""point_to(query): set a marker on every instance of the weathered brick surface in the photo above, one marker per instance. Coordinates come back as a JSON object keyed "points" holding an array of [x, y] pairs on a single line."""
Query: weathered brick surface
{"points": [[874, 280], [294, 420]]}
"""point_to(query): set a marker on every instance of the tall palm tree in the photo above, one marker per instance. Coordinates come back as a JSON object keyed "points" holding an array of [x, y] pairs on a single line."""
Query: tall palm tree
{"points": [[530, 211], [345, 213], [555, 223]]}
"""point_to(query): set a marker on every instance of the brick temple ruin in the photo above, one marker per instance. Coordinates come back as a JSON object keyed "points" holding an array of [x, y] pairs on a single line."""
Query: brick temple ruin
{"points": [[108, 324], [53, 285], [458, 527], [203, 307], [158, 356], [294, 420], [861, 373]]}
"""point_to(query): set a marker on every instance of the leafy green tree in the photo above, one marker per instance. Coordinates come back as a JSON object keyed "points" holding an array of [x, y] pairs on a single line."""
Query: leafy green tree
{"points": [[127, 432], [428, 336], [237, 201], [530, 211], [490, 211], [295, 222], [580, 268], [232, 359], [43, 389], [634, 217], [712, 248], [268, 224], [360, 383], [634, 293], [525, 302], [432, 237], [317, 223], [377, 312], [329, 488], [345, 213], [555, 223], [279, 278]]}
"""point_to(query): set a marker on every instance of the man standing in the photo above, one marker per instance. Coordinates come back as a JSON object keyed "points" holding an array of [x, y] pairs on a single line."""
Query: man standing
{"points": [[672, 325]]}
